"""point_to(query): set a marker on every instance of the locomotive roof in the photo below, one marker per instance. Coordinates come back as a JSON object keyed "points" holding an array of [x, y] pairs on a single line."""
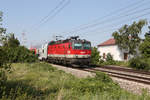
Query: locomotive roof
{"points": [[68, 40]]}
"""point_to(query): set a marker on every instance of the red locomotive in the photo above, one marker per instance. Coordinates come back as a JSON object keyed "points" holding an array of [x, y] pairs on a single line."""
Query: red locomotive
{"points": [[69, 51]]}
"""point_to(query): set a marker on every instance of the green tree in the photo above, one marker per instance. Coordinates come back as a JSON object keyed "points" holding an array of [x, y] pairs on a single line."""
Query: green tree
{"points": [[145, 46], [95, 57], [4, 66], [2, 30], [11, 41], [127, 37], [109, 57], [2, 51]]}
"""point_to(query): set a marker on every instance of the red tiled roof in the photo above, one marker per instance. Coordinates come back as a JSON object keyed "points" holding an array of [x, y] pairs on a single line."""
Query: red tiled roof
{"points": [[108, 42]]}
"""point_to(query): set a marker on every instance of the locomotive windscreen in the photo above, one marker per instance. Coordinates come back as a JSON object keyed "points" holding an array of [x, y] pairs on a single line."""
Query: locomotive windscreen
{"points": [[86, 46], [82, 46], [77, 46]]}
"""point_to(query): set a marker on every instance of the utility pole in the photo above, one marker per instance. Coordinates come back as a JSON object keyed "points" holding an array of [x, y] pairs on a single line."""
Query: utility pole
{"points": [[24, 40]]}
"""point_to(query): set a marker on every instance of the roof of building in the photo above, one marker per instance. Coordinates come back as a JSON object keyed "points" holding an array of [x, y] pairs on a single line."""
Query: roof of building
{"points": [[108, 42]]}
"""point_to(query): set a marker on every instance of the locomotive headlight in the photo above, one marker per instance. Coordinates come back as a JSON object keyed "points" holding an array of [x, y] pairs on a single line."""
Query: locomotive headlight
{"points": [[68, 51], [82, 52]]}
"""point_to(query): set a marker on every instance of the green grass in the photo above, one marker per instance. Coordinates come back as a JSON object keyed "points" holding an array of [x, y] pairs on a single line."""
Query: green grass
{"points": [[41, 81], [117, 63]]}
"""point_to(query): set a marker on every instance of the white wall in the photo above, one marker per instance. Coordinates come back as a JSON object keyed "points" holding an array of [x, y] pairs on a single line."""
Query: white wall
{"points": [[113, 50]]}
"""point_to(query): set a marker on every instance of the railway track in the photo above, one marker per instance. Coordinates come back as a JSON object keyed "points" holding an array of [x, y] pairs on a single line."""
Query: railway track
{"points": [[122, 73]]}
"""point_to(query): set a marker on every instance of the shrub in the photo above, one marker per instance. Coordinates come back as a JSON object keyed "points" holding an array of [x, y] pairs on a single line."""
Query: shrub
{"points": [[4, 66], [109, 59], [100, 83], [95, 56], [122, 63], [139, 63], [20, 54]]}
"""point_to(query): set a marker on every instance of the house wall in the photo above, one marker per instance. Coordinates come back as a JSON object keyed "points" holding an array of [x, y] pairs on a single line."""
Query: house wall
{"points": [[113, 50]]}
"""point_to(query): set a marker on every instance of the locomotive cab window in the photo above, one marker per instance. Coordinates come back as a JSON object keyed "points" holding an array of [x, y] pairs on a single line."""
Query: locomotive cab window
{"points": [[87, 46], [77, 46]]}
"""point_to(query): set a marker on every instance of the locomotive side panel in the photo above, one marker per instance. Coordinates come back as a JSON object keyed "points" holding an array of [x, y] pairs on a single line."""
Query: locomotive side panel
{"points": [[70, 52]]}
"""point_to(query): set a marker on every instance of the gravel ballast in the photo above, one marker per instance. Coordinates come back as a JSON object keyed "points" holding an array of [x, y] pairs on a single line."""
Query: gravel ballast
{"points": [[75, 72], [130, 86]]}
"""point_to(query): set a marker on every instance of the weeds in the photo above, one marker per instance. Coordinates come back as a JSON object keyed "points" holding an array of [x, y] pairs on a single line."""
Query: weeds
{"points": [[40, 81]]}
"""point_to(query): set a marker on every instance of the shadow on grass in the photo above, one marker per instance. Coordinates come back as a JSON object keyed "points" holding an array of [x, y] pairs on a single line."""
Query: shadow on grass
{"points": [[15, 89]]}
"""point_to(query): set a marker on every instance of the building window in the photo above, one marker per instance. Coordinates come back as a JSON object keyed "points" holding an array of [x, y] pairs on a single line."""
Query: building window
{"points": [[104, 55], [125, 56]]}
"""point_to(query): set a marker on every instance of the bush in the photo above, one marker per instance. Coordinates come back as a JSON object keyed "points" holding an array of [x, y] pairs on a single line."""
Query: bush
{"points": [[122, 63], [20, 54], [4, 66], [109, 59], [140, 63], [95, 56], [100, 83]]}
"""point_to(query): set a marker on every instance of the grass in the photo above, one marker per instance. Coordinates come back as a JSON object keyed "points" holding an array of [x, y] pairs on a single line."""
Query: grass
{"points": [[117, 63], [41, 81]]}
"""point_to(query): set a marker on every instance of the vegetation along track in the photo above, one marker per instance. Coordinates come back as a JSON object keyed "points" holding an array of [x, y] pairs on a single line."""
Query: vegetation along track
{"points": [[123, 73], [120, 72]]}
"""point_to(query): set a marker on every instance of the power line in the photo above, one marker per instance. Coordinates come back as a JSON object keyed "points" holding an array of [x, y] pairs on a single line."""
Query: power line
{"points": [[121, 22], [53, 12], [126, 15], [110, 20], [108, 15], [59, 10]]}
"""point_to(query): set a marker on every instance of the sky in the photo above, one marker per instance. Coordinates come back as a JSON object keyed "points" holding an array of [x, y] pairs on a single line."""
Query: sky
{"points": [[93, 20]]}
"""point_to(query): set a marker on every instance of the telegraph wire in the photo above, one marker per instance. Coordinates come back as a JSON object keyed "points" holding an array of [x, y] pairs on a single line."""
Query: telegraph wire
{"points": [[110, 20], [52, 13], [59, 10], [108, 15], [60, 6], [126, 15], [121, 22], [53, 10]]}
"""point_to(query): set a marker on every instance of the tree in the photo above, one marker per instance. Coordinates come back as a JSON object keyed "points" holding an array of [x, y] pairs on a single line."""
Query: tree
{"points": [[127, 37], [145, 46], [95, 57], [109, 57], [4, 66], [2, 30], [11, 41]]}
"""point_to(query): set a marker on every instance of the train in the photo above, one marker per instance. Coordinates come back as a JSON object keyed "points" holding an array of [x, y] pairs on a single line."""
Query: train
{"points": [[69, 51]]}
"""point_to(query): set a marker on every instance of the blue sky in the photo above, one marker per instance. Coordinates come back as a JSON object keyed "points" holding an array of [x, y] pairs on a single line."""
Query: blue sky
{"points": [[25, 16]]}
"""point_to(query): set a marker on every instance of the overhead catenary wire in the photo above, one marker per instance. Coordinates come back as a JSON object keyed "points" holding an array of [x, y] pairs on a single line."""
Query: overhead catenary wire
{"points": [[53, 10], [148, 13], [52, 13], [105, 16], [61, 5], [141, 10], [59, 10], [110, 20]]}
